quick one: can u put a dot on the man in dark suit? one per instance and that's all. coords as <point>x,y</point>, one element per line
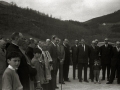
<point>23,70</point>
<point>115,63</point>
<point>53,52</point>
<point>2,60</point>
<point>94,55</point>
<point>105,52</point>
<point>74,57</point>
<point>67,60</point>
<point>83,56</point>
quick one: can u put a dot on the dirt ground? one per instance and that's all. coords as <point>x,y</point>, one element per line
<point>76,85</point>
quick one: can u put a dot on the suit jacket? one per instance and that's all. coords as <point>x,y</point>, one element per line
<point>2,62</point>
<point>67,54</point>
<point>61,52</point>
<point>115,57</point>
<point>53,52</point>
<point>74,54</point>
<point>2,66</point>
<point>106,53</point>
<point>83,55</point>
<point>93,54</point>
<point>29,53</point>
<point>23,70</point>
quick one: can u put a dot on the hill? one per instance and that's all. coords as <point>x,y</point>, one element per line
<point>36,24</point>
<point>110,18</point>
<point>109,24</point>
<point>39,25</point>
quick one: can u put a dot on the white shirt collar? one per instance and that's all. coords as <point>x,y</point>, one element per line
<point>53,43</point>
<point>39,47</point>
<point>64,44</point>
<point>10,67</point>
<point>14,43</point>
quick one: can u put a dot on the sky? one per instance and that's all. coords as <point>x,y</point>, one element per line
<point>78,10</point>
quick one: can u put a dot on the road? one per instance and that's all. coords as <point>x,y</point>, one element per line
<point>76,85</point>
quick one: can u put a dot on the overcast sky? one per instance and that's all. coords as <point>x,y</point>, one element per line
<point>79,10</point>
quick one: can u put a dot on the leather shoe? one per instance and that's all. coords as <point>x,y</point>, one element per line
<point>57,87</point>
<point>80,80</point>
<point>62,83</point>
<point>103,79</point>
<point>67,80</point>
<point>86,81</point>
<point>109,83</point>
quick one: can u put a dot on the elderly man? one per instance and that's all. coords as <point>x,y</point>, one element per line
<point>115,63</point>
<point>61,57</point>
<point>83,55</point>
<point>67,60</point>
<point>74,49</point>
<point>93,55</point>
<point>106,53</point>
<point>2,60</point>
<point>23,70</point>
<point>53,52</point>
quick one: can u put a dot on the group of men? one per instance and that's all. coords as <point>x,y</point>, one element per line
<point>59,52</point>
<point>83,56</point>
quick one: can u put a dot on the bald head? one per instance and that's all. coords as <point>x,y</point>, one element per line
<point>2,44</point>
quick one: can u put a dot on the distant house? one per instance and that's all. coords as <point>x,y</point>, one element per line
<point>104,24</point>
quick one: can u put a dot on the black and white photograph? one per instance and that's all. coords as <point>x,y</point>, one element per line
<point>59,44</point>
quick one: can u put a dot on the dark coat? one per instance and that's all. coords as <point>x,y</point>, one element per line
<point>23,70</point>
<point>54,54</point>
<point>115,57</point>
<point>106,53</point>
<point>67,54</point>
<point>94,54</point>
<point>83,55</point>
<point>74,54</point>
<point>29,53</point>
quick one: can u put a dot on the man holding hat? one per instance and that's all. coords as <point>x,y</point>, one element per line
<point>106,52</point>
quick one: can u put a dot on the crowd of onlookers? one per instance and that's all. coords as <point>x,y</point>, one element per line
<point>30,64</point>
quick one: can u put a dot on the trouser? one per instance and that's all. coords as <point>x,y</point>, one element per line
<point>80,67</point>
<point>0,82</point>
<point>96,74</point>
<point>74,69</point>
<point>104,66</point>
<point>24,79</point>
<point>56,70</point>
<point>45,87</point>
<point>65,71</point>
<point>51,84</point>
<point>91,72</point>
<point>113,71</point>
<point>61,72</point>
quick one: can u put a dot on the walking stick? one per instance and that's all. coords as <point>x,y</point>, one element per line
<point>61,69</point>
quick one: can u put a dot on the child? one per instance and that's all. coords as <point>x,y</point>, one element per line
<point>10,79</point>
<point>39,78</point>
<point>96,70</point>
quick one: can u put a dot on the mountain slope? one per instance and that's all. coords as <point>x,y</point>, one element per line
<point>110,18</point>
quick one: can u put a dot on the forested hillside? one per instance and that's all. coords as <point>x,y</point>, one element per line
<point>39,25</point>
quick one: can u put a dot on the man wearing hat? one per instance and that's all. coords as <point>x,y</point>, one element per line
<point>106,52</point>
<point>83,55</point>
